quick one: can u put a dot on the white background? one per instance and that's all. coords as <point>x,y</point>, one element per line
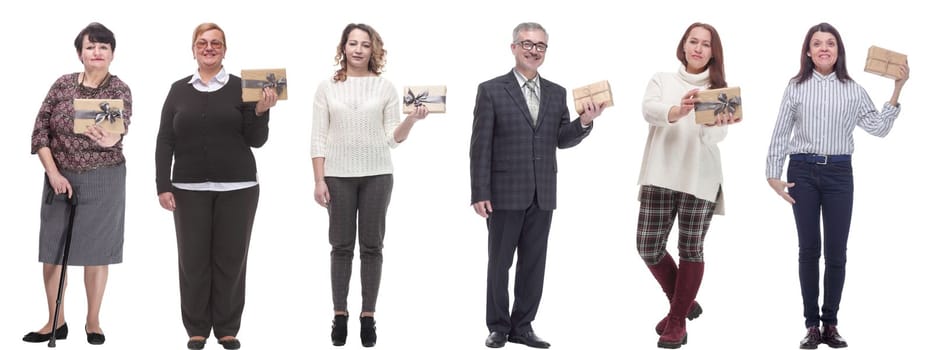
<point>598,293</point>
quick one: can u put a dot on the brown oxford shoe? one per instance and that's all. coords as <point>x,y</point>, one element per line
<point>831,337</point>
<point>812,339</point>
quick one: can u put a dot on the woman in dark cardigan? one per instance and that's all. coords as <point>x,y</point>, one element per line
<point>212,190</point>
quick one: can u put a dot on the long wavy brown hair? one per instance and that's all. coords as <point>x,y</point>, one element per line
<point>716,65</point>
<point>376,60</point>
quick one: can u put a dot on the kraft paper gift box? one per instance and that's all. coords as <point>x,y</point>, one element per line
<point>884,62</point>
<point>597,92</point>
<point>254,80</point>
<point>106,113</point>
<point>718,101</point>
<point>434,97</point>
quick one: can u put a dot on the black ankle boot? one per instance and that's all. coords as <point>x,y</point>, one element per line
<point>367,331</point>
<point>338,333</point>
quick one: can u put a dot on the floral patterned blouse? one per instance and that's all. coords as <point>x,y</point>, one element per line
<point>55,124</point>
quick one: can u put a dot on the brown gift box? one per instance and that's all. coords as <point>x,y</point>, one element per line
<point>106,113</point>
<point>884,62</point>
<point>434,97</point>
<point>254,80</point>
<point>597,92</point>
<point>718,101</point>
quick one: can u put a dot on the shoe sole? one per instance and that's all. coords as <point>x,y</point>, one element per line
<point>663,345</point>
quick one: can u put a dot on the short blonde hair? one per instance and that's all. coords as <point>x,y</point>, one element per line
<point>203,27</point>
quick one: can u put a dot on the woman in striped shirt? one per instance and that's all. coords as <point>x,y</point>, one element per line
<point>820,108</point>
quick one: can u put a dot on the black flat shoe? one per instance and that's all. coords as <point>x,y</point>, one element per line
<point>196,344</point>
<point>35,337</point>
<point>95,338</point>
<point>229,344</point>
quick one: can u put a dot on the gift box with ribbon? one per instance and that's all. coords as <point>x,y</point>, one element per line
<point>434,97</point>
<point>106,113</point>
<point>597,92</point>
<point>716,102</point>
<point>254,80</point>
<point>884,62</point>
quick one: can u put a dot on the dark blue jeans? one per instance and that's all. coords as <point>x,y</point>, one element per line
<point>825,190</point>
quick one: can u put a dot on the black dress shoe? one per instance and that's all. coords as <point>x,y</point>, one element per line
<point>529,339</point>
<point>831,337</point>
<point>367,331</point>
<point>229,344</point>
<point>496,339</point>
<point>812,339</point>
<point>196,344</point>
<point>338,330</point>
<point>95,338</point>
<point>35,337</point>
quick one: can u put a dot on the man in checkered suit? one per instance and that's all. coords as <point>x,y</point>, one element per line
<point>520,120</point>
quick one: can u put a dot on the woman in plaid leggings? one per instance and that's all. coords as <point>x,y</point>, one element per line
<point>681,175</point>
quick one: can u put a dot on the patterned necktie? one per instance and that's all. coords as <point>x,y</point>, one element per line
<point>533,100</point>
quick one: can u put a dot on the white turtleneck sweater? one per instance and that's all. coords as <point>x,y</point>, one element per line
<point>354,126</point>
<point>682,156</point>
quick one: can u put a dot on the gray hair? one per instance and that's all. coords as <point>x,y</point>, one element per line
<point>526,27</point>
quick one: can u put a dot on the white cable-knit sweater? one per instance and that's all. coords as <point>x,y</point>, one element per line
<point>354,126</point>
<point>682,156</point>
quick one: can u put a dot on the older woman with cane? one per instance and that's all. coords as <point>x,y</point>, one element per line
<point>91,163</point>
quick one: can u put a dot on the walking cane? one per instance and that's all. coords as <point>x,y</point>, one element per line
<point>73,203</point>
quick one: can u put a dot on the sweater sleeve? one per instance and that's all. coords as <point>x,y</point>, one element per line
<point>165,145</point>
<point>320,125</point>
<point>391,114</point>
<point>654,109</point>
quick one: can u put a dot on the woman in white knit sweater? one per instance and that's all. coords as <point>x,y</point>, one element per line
<point>681,175</point>
<point>356,123</point>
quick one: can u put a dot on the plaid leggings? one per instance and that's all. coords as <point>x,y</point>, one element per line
<point>659,206</point>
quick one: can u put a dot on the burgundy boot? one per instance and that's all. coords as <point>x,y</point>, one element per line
<point>688,279</point>
<point>665,274</point>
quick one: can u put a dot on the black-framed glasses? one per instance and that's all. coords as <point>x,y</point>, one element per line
<point>202,44</point>
<point>527,45</point>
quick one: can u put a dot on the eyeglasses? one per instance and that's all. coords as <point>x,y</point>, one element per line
<point>202,44</point>
<point>527,45</point>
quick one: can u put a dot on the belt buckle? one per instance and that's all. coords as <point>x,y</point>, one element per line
<point>824,159</point>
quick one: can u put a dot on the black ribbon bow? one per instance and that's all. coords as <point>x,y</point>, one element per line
<point>723,105</point>
<point>422,98</point>
<point>107,114</point>
<point>270,81</point>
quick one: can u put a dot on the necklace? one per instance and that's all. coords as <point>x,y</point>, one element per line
<point>101,82</point>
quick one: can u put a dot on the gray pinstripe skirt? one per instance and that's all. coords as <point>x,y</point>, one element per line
<point>97,237</point>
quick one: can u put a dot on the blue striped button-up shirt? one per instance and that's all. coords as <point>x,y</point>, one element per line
<point>819,116</point>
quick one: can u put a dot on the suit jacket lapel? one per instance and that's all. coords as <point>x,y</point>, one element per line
<point>511,86</point>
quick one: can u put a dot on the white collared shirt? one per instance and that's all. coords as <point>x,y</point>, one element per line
<point>215,83</point>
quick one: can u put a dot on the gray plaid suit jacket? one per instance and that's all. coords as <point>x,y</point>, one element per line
<point>511,160</point>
